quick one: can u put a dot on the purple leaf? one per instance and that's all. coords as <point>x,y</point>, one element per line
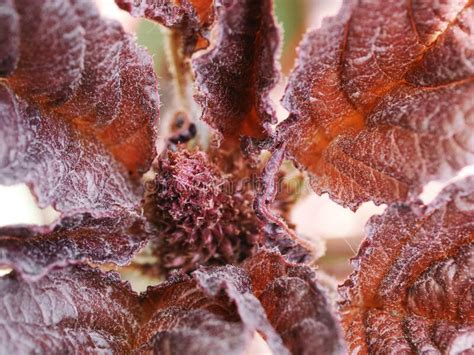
<point>74,309</point>
<point>33,251</point>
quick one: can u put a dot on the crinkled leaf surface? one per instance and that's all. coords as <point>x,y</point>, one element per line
<point>82,100</point>
<point>296,306</point>
<point>217,309</point>
<point>32,251</point>
<point>235,75</point>
<point>62,167</point>
<point>412,286</point>
<point>220,294</point>
<point>78,308</point>
<point>381,101</point>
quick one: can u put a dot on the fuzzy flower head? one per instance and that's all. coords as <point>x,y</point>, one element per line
<point>201,215</point>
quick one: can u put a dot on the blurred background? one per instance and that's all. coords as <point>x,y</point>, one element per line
<point>315,217</point>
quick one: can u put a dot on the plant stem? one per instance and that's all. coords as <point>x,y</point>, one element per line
<point>179,68</point>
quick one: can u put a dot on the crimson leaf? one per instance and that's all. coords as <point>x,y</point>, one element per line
<point>78,308</point>
<point>277,233</point>
<point>9,37</point>
<point>74,309</point>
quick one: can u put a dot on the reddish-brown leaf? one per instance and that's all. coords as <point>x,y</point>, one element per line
<point>180,314</point>
<point>412,287</point>
<point>82,100</point>
<point>381,99</point>
<point>235,75</point>
<point>52,48</point>
<point>76,307</point>
<point>32,251</point>
<point>296,306</point>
